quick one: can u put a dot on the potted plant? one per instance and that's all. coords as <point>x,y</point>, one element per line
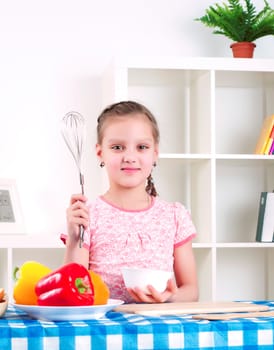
<point>239,21</point>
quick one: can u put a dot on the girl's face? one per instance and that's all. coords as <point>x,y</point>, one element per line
<point>128,150</point>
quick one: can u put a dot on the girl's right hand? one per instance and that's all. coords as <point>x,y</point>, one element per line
<point>77,214</point>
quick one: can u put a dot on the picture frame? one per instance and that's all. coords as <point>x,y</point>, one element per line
<point>11,217</point>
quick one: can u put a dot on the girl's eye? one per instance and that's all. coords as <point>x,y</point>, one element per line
<point>142,147</point>
<point>117,147</point>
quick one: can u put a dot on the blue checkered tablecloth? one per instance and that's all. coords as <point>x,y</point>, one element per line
<point>119,331</point>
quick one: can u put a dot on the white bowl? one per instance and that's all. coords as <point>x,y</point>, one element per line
<point>141,278</point>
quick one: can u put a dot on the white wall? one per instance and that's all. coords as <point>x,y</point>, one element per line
<point>52,55</point>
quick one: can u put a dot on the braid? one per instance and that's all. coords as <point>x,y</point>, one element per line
<point>150,188</point>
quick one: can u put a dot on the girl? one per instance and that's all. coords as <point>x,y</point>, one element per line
<point>129,225</point>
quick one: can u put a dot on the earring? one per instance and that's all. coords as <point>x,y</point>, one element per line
<point>154,164</point>
<point>102,164</point>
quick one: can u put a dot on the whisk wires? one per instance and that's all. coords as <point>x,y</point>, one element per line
<point>73,132</point>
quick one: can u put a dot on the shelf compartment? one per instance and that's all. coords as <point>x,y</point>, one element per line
<point>205,272</point>
<point>237,209</point>
<point>41,255</point>
<point>243,100</point>
<point>242,274</point>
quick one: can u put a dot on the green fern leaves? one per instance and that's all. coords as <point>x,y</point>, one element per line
<point>239,22</point>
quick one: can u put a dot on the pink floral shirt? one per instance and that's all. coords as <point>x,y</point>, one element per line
<point>120,238</point>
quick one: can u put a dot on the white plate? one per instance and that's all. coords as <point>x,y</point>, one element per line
<point>69,313</point>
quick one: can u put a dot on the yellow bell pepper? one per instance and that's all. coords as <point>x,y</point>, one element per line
<point>29,274</point>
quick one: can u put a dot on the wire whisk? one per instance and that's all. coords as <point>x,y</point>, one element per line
<point>74,132</point>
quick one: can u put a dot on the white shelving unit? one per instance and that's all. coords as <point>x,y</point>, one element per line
<point>210,112</point>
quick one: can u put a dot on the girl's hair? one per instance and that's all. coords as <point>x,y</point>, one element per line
<point>129,108</point>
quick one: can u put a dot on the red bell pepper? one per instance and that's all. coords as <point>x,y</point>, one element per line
<point>70,285</point>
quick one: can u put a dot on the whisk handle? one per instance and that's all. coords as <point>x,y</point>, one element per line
<point>82,182</point>
<point>81,236</point>
<point>81,226</point>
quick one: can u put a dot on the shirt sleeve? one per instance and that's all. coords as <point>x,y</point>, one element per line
<point>185,229</point>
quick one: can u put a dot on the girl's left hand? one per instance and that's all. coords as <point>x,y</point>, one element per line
<point>155,297</point>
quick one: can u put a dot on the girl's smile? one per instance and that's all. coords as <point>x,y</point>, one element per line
<point>130,170</point>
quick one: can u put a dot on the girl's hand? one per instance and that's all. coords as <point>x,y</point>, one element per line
<point>155,296</point>
<point>77,214</point>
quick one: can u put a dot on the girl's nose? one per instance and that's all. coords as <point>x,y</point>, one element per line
<point>129,157</point>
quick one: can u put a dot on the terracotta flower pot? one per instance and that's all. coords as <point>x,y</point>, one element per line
<point>243,49</point>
